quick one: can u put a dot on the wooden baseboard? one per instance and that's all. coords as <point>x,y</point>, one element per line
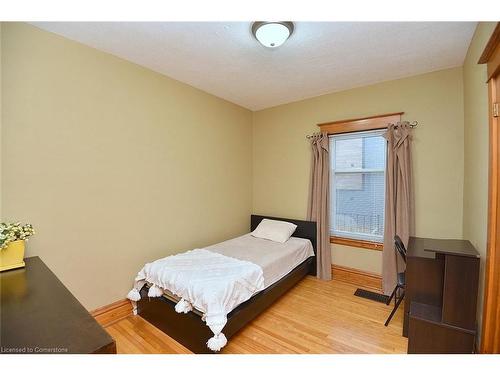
<point>112,313</point>
<point>357,277</point>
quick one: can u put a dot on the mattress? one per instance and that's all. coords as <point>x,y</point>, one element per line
<point>276,259</point>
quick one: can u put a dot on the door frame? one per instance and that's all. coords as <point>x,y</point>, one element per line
<point>490,337</point>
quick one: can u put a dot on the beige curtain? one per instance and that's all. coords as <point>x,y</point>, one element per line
<point>398,201</point>
<point>319,197</point>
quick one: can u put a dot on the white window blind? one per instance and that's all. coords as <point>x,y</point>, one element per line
<point>357,186</point>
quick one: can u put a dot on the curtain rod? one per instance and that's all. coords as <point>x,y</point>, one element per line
<point>412,125</point>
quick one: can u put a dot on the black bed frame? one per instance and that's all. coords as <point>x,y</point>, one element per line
<point>189,330</point>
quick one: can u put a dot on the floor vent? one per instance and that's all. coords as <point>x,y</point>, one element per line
<point>371,295</point>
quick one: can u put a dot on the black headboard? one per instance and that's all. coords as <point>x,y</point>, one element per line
<point>305,229</point>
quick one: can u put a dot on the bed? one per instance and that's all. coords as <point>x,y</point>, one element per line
<point>191,331</point>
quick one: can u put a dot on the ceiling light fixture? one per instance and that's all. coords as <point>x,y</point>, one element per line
<point>272,34</point>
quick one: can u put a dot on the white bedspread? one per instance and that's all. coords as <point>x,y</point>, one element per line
<point>213,283</point>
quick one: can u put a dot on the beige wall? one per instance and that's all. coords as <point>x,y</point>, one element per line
<point>115,165</point>
<point>358,258</point>
<point>476,147</point>
<point>281,155</point>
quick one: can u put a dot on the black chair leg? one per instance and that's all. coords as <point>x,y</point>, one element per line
<point>398,302</point>
<point>392,295</point>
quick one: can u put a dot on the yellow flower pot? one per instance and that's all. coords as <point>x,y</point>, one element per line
<point>12,256</point>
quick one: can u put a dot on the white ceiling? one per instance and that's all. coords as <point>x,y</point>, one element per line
<point>223,58</point>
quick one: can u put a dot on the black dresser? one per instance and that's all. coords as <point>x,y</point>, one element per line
<point>39,315</point>
<point>441,296</point>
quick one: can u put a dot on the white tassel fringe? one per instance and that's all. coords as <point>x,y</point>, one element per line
<point>155,291</point>
<point>183,306</point>
<point>217,342</point>
<point>134,295</point>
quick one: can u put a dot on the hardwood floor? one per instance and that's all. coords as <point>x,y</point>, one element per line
<point>314,317</point>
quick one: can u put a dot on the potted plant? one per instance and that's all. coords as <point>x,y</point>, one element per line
<point>12,237</point>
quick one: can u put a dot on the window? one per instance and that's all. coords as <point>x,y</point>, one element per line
<point>357,186</point>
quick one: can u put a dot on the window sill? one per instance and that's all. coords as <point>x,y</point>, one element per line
<point>357,243</point>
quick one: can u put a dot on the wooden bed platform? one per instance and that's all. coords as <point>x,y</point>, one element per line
<point>189,330</point>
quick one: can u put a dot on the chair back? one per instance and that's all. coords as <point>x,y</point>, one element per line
<point>400,247</point>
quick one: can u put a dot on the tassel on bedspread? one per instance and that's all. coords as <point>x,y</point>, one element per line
<point>212,282</point>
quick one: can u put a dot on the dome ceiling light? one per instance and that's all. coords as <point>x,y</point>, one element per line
<point>272,34</point>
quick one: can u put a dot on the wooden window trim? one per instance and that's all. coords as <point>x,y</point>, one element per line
<point>369,245</point>
<point>360,124</point>
<point>352,126</point>
<point>491,54</point>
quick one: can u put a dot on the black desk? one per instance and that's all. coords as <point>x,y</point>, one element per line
<point>441,296</point>
<point>39,315</point>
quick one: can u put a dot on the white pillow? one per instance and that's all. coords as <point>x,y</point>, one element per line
<point>274,230</point>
